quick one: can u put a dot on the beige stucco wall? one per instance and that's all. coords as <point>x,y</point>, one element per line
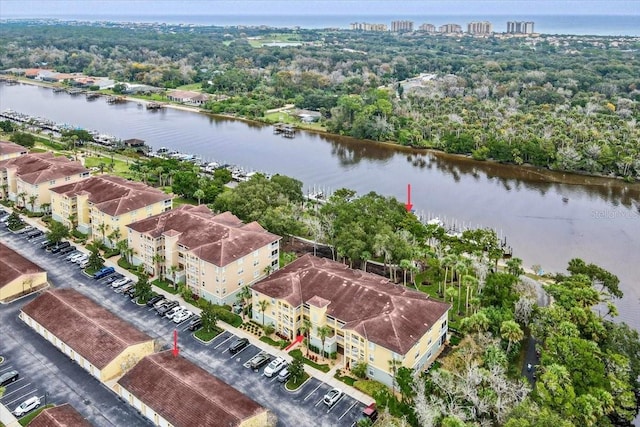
<point>261,420</point>
<point>41,190</point>
<point>129,358</point>
<point>8,156</point>
<point>20,284</point>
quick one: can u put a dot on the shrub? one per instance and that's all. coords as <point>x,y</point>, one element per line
<point>268,329</point>
<point>370,387</point>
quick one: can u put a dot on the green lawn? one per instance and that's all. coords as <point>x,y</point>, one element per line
<point>207,336</point>
<point>284,117</point>
<point>27,418</point>
<point>297,352</point>
<point>179,201</point>
<point>167,286</point>
<point>369,387</point>
<point>278,344</point>
<point>294,385</point>
<point>120,167</point>
<point>192,87</point>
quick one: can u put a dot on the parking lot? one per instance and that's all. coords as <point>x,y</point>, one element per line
<point>304,407</point>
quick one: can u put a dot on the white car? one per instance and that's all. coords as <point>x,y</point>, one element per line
<point>82,258</point>
<point>84,263</point>
<point>73,255</point>
<point>27,406</point>
<point>120,282</point>
<point>274,367</point>
<point>176,310</point>
<point>182,316</point>
<point>332,396</point>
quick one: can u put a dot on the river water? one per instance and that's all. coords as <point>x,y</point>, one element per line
<point>548,218</point>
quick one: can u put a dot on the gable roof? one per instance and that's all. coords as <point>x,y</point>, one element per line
<point>218,239</point>
<point>114,195</point>
<point>59,416</point>
<point>10,148</point>
<point>185,394</point>
<point>389,315</point>
<point>88,328</point>
<point>14,265</point>
<point>35,168</point>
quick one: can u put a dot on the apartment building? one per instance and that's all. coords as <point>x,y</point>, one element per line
<point>480,28</point>
<point>27,178</point>
<point>99,341</point>
<point>450,29</point>
<point>520,27</point>
<point>171,391</point>
<point>100,205</point>
<point>401,26</point>
<point>370,319</point>
<point>9,150</point>
<point>427,28</point>
<point>214,255</point>
<point>366,26</point>
<point>63,415</point>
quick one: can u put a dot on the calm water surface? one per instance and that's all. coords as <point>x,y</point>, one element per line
<point>548,218</point>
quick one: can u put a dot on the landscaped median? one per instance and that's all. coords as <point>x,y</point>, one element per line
<point>292,385</point>
<point>207,337</point>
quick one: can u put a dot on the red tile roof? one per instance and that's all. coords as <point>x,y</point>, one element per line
<point>35,168</point>
<point>218,239</point>
<point>114,195</point>
<point>10,148</point>
<point>389,315</point>
<point>14,265</point>
<point>186,395</point>
<point>59,416</point>
<point>88,328</point>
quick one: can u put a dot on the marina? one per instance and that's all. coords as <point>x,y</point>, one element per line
<point>599,223</point>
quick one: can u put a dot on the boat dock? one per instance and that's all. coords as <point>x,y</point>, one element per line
<point>288,131</point>
<point>155,106</point>
<point>116,99</point>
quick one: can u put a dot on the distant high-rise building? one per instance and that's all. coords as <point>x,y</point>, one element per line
<point>450,29</point>
<point>366,26</point>
<point>520,27</point>
<point>480,28</point>
<point>427,28</point>
<point>400,26</point>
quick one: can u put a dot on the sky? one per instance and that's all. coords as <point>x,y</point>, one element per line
<point>70,8</point>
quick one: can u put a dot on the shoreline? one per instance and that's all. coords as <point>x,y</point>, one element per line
<point>546,175</point>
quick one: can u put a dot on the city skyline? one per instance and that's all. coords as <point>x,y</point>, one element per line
<point>71,8</point>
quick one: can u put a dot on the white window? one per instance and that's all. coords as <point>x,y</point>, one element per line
<point>240,271</point>
<point>256,273</point>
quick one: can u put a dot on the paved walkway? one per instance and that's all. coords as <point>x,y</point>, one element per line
<point>7,418</point>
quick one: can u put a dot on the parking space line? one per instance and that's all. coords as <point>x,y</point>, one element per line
<point>18,389</point>
<point>23,397</point>
<point>347,411</point>
<point>336,404</point>
<point>314,390</point>
<point>238,352</point>
<point>216,347</point>
<point>319,402</point>
<point>8,367</point>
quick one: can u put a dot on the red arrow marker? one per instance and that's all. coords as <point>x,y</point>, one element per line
<point>175,350</point>
<point>408,205</point>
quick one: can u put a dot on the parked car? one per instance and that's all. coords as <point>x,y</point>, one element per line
<point>284,375</point>
<point>47,244</point>
<point>175,310</point>
<point>274,367</point>
<point>82,258</point>
<point>125,288</point>
<point>67,250</point>
<point>24,230</point>
<point>195,324</point>
<point>120,282</point>
<point>182,316</point>
<point>27,406</point>
<point>238,345</point>
<point>332,396</point>
<point>259,360</point>
<point>369,413</point>
<point>166,307</point>
<point>161,303</point>
<point>8,377</point>
<point>60,246</point>
<point>33,234</point>
<point>151,302</point>
<point>84,263</point>
<point>113,278</point>
<point>104,272</point>
<point>72,256</point>
<point>131,292</point>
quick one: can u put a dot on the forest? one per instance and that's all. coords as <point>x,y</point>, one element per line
<point>561,102</point>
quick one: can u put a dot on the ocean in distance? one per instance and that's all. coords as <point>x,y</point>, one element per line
<point>601,25</point>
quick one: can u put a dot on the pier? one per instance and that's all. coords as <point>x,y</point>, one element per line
<point>155,106</point>
<point>116,99</point>
<point>285,130</point>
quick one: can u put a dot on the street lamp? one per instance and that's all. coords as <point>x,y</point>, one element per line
<point>46,394</point>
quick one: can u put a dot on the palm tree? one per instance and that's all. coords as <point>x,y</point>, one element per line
<point>243,296</point>
<point>462,266</point>
<point>5,190</point>
<point>393,365</point>
<point>114,236</point>
<point>305,328</point>
<point>173,270</point>
<point>469,282</point>
<point>323,333</point>
<point>73,217</point>
<point>23,197</point>
<point>32,201</point>
<point>263,304</point>
<point>157,259</point>
<point>447,261</point>
<point>510,331</point>
<point>103,230</point>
